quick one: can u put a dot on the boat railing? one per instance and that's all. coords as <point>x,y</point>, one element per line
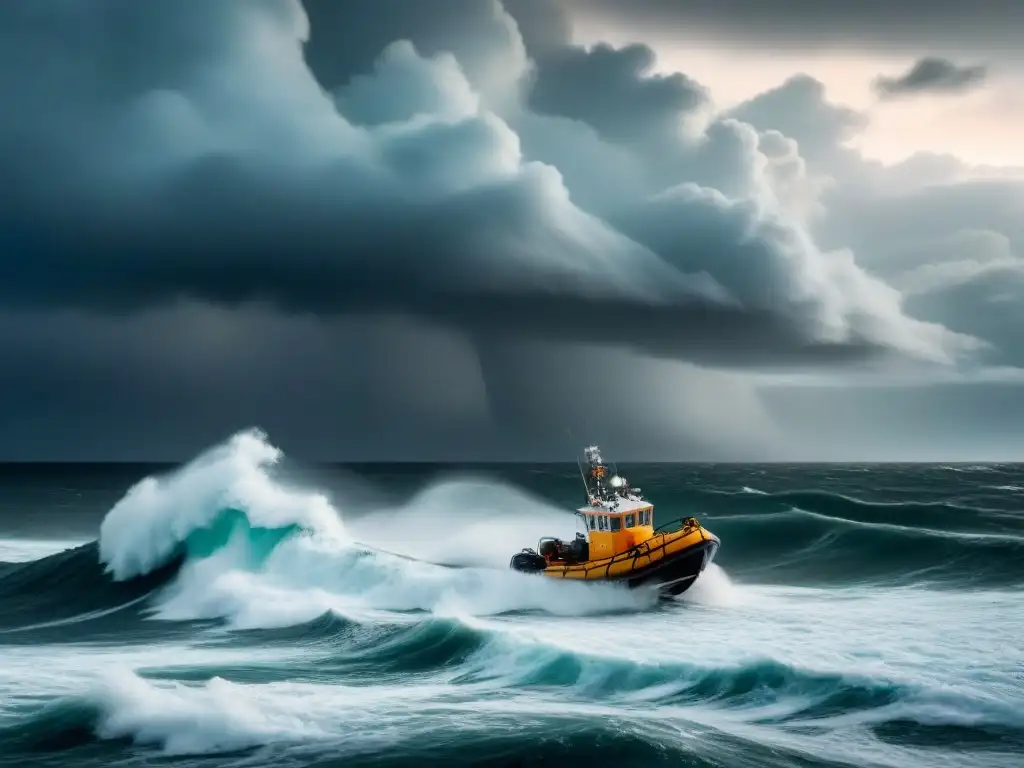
<point>685,522</point>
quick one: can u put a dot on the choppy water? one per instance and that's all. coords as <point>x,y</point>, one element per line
<point>233,612</point>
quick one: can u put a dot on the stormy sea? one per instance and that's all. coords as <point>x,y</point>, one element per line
<point>243,610</point>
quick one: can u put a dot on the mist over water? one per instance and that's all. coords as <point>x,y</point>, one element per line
<point>240,610</point>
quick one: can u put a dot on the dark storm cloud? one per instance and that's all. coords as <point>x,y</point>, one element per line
<point>543,24</point>
<point>217,169</point>
<point>177,379</point>
<point>614,90</point>
<point>188,375</point>
<point>618,132</point>
<point>931,76</point>
<point>346,38</point>
<point>909,25</point>
<point>430,256</point>
<point>488,37</point>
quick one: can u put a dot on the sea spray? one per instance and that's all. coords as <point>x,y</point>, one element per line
<point>260,554</point>
<point>157,515</point>
<point>874,630</point>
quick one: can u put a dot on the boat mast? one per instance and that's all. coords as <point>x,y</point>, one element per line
<point>597,472</point>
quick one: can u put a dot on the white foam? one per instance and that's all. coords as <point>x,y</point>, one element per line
<point>713,588</point>
<point>954,653</point>
<point>193,720</point>
<point>34,673</point>
<point>306,577</point>
<point>219,715</point>
<point>464,522</point>
<point>145,528</point>
<point>932,643</point>
<point>478,523</point>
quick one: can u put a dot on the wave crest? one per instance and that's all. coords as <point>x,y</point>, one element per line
<point>260,554</point>
<point>157,516</point>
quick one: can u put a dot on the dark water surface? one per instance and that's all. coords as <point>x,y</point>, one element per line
<point>233,612</point>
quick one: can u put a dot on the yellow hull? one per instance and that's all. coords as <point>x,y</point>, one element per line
<point>671,560</point>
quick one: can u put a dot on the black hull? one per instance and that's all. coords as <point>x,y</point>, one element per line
<point>677,574</point>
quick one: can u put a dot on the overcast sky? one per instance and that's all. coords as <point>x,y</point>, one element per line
<point>472,229</point>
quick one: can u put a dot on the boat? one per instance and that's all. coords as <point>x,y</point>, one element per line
<point>621,544</point>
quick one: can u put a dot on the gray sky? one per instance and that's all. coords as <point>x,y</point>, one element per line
<point>386,231</point>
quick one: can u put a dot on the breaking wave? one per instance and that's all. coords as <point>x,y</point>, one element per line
<point>227,537</point>
<point>260,553</point>
<point>250,612</point>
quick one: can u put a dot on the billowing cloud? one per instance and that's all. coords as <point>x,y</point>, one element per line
<point>799,109</point>
<point>229,175</point>
<point>633,103</point>
<point>346,39</point>
<point>441,220</point>
<point>946,235</point>
<point>931,75</point>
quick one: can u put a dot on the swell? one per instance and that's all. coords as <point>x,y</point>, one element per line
<point>71,730</point>
<point>221,530</point>
<point>67,585</point>
<point>793,546</point>
<point>340,650</point>
<point>42,599</point>
<point>815,537</point>
<point>448,650</point>
<point>942,514</point>
<point>802,547</point>
<point>553,688</point>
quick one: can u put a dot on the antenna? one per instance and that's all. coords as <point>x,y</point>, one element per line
<point>579,466</point>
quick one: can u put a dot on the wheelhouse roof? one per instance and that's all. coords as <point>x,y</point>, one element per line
<point>624,507</point>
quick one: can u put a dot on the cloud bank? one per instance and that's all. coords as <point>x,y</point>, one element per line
<point>376,180</point>
<point>221,171</point>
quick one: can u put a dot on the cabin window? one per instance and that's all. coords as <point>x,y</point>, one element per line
<point>616,524</point>
<point>592,522</point>
<point>647,517</point>
<point>600,523</point>
<point>631,520</point>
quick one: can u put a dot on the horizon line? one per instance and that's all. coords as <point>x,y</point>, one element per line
<point>521,462</point>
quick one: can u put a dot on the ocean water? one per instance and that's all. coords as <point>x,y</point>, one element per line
<point>242,610</point>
